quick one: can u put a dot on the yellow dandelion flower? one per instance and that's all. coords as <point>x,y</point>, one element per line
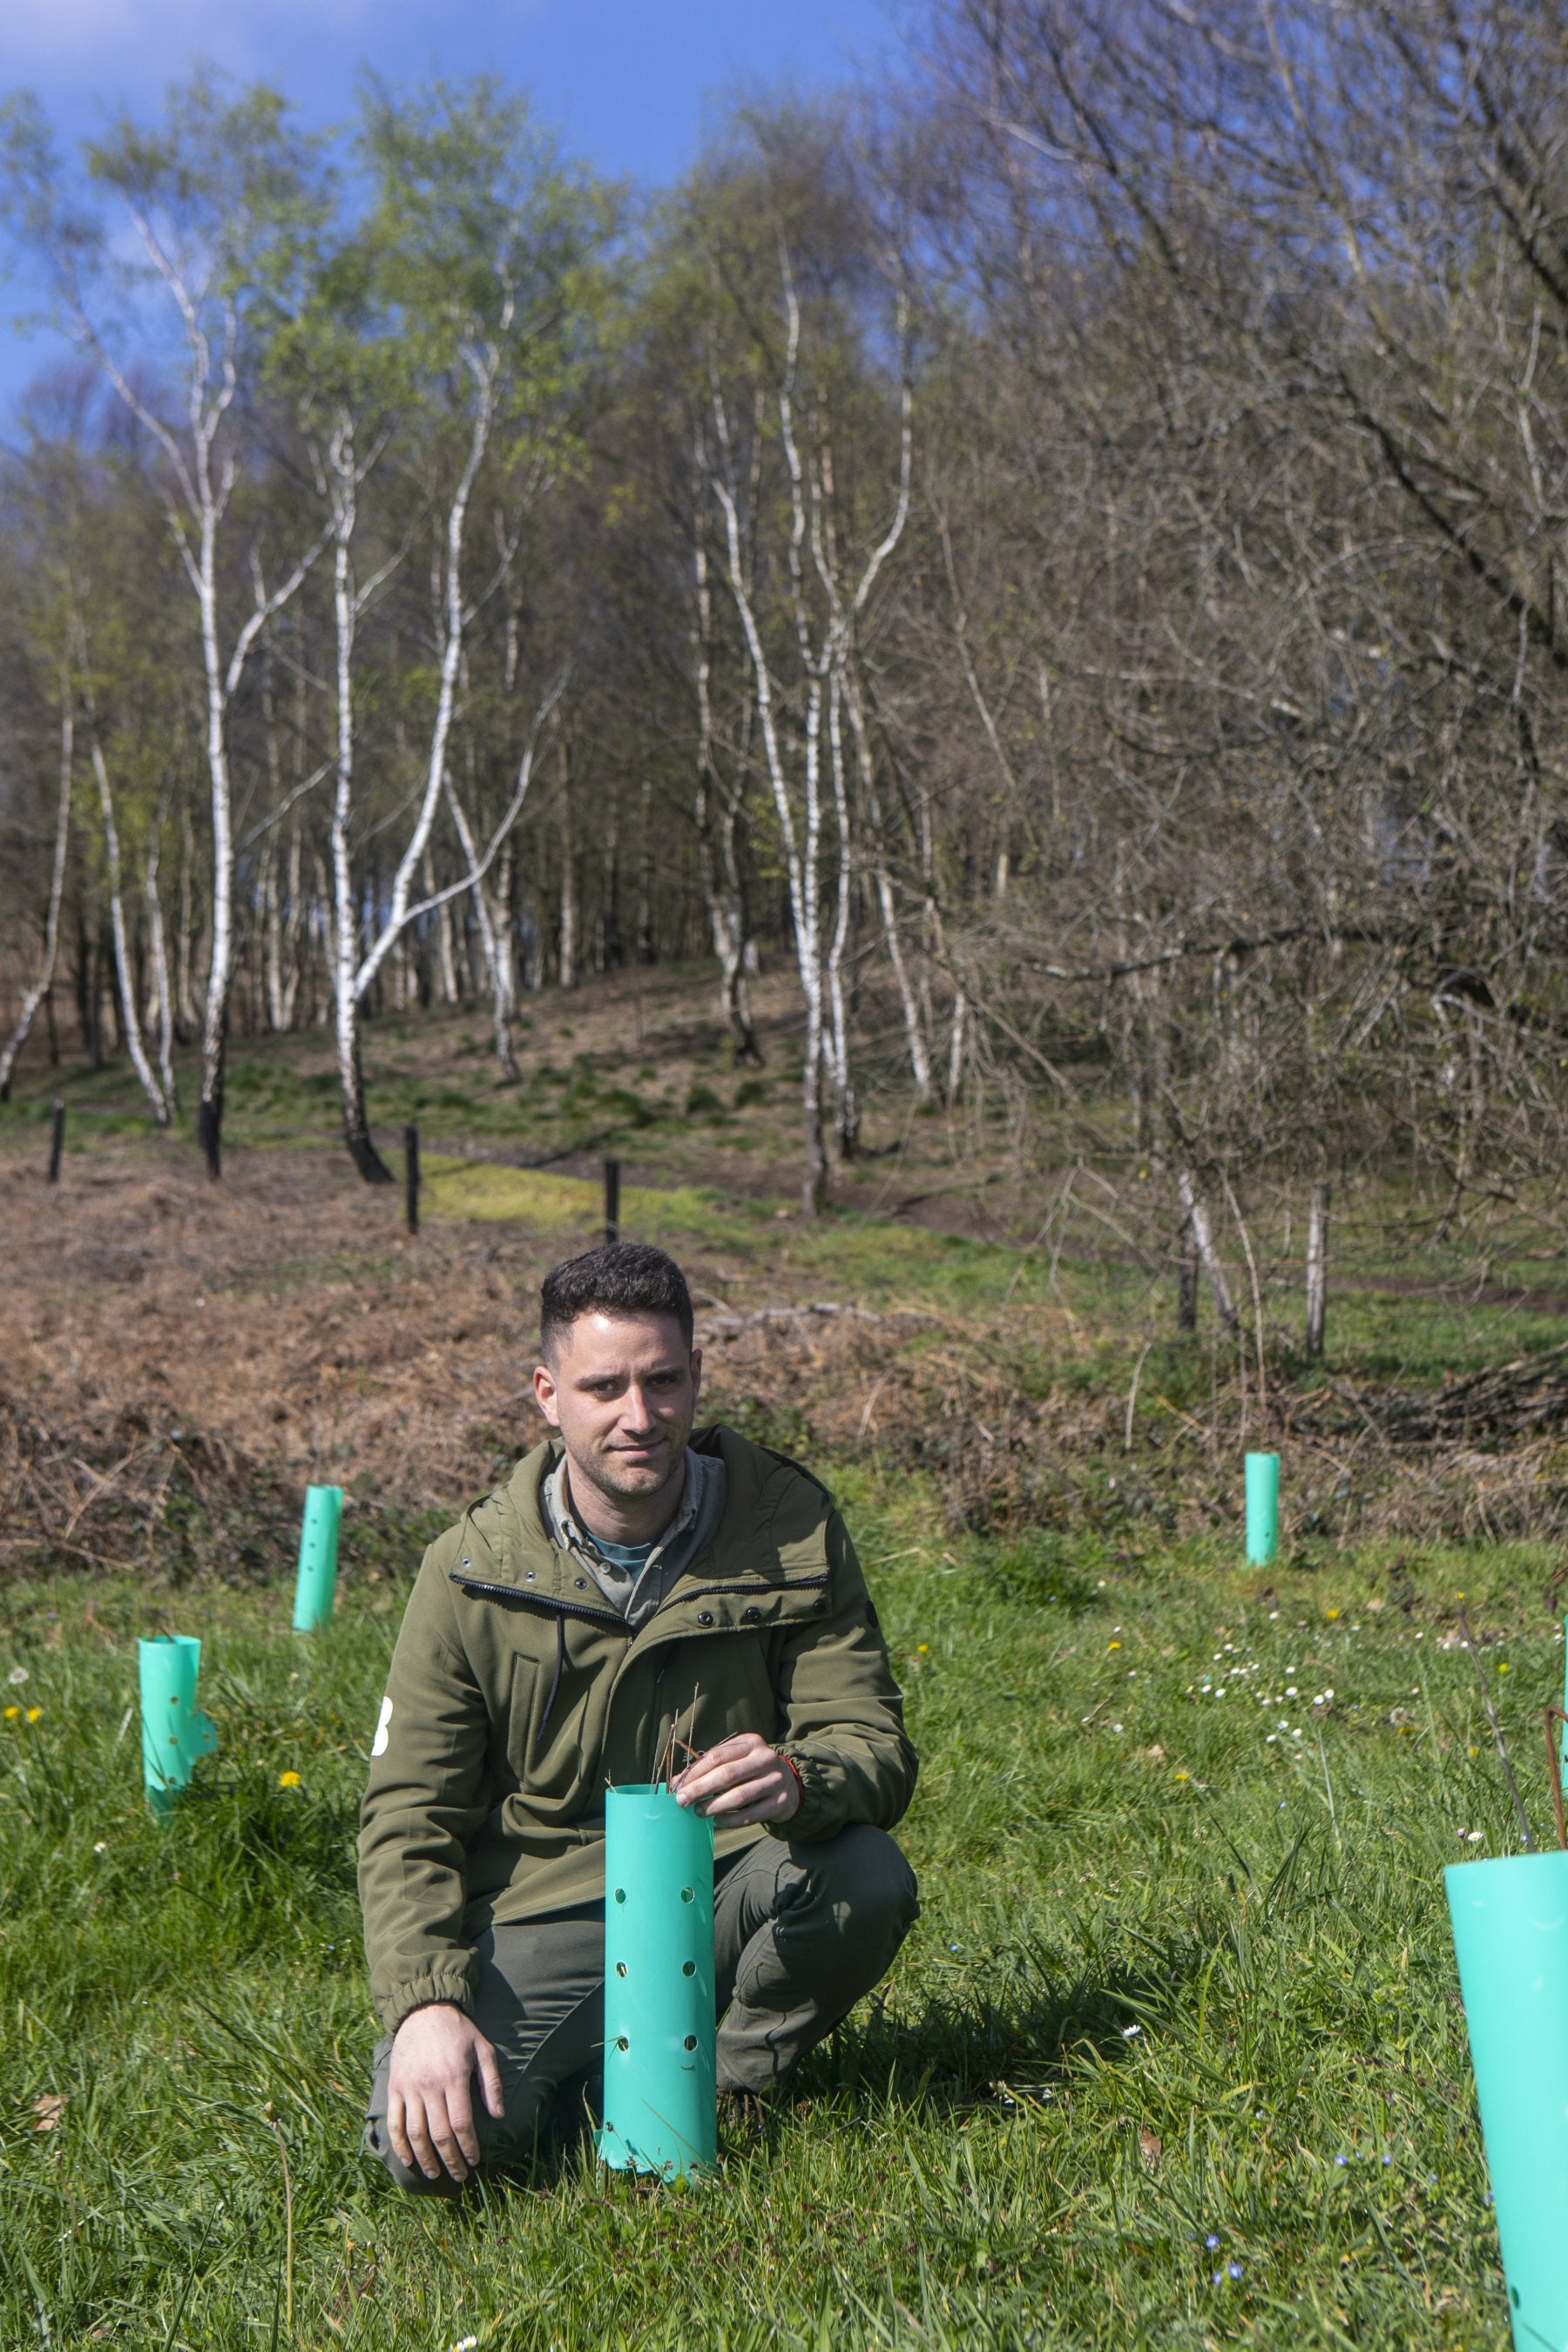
<point>287,1780</point>
<point>12,1713</point>
<point>1184,1776</point>
<point>1114,1646</point>
<point>1332,1613</point>
<point>34,1713</point>
<point>922,1649</point>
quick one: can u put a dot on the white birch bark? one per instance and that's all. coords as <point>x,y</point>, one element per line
<point>915,1037</point>
<point>202,480</point>
<point>822,656</point>
<point>841,1077</point>
<point>125,977</point>
<point>184,953</point>
<point>717,814</point>
<point>501,968</point>
<point>566,971</point>
<point>1197,1218</point>
<point>162,1005</point>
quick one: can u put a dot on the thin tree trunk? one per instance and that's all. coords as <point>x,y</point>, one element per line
<point>42,989</point>
<point>445,961</point>
<point>499,966</point>
<point>568,949</point>
<point>1187,1280</point>
<point>162,1002</point>
<point>1197,1217</point>
<point>846,1109</point>
<point>348,987</point>
<point>718,858</point>
<point>957,1044</point>
<point>1317,1267</point>
<point>645,947</point>
<point>914,1028</point>
<point>186,1015</point>
<point>125,977</point>
<point>800,860</point>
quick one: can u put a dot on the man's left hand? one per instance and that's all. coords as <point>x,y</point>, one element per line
<point>743,1780</point>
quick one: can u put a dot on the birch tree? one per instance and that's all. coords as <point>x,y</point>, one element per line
<point>805,647</point>
<point>206,216</point>
<point>445,339</point>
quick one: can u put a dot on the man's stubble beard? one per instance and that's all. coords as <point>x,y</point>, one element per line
<point>601,1467</point>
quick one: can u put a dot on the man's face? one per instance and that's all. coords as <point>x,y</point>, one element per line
<point>622,1390</point>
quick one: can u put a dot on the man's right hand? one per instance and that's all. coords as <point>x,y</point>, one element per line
<point>430,2098</point>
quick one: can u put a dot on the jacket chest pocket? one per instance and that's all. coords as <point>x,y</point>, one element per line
<point>546,1724</point>
<point>522,1704</point>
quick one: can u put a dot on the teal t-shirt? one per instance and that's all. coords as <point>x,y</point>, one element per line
<point>632,1558</point>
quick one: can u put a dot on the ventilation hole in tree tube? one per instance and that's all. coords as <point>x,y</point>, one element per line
<point>689,2043</point>
<point>620,1894</point>
<point>621,2043</point>
<point>688,1894</point>
<point>689,1967</point>
<point>620,1967</point>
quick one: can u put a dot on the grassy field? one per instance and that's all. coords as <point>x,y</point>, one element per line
<point>1175,2057</point>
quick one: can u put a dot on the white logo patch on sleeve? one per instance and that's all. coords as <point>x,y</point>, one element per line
<point>378,1746</point>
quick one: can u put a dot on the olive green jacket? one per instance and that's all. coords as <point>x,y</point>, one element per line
<point>516,1694</point>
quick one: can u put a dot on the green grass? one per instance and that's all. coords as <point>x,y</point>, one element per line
<point>1144,1921</point>
<point>1175,1964</point>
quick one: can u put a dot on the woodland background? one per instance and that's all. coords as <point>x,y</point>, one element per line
<point>1059,558</point>
<point>992,662</point>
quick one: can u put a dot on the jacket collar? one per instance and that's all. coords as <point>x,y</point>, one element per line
<point>770,1539</point>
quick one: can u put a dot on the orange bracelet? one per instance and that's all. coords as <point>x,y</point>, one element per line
<point>794,1768</point>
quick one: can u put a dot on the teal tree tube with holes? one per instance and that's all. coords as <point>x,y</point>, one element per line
<point>175,1731</point>
<point>661,2102</point>
<point>1510,1937</point>
<point>1262,1509</point>
<point>318,1579</point>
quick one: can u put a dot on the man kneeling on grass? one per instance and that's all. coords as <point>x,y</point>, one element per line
<point>630,1578</point>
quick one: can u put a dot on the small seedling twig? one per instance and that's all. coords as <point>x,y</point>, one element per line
<point>1548,1716</point>
<point>1524,1830</point>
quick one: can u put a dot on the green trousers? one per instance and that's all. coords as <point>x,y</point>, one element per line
<point>799,1933</point>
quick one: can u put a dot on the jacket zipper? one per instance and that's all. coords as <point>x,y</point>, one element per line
<point>608,1617</point>
<point>540,1601</point>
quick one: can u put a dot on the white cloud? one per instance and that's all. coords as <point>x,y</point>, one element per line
<point>116,47</point>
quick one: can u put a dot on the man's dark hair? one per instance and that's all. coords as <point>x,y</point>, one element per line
<point>622,1278</point>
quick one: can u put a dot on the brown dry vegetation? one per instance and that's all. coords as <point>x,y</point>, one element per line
<point>177,1361</point>
<point>180,1360</point>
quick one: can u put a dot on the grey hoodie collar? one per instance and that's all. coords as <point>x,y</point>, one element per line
<point>635,1595</point>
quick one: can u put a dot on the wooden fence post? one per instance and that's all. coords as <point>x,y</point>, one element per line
<point>411,1175</point>
<point>56,1138</point>
<point>1318,1266</point>
<point>612,1201</point>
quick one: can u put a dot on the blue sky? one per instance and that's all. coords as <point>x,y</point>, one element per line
<point>628,83</point>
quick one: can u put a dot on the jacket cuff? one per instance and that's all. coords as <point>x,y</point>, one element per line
<point>817,1813</point>
<point>450,1979</point>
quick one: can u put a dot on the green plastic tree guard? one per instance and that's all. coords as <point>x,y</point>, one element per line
<point>318,1579</point>
<point>1262,1509</point>
<point>1510,1937</point>
<point>175,1731</point>
<point>660,2104</point>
